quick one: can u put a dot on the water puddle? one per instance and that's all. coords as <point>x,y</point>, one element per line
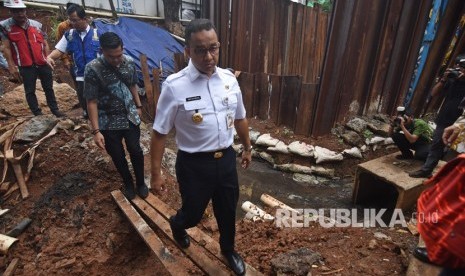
<point>261,178</point>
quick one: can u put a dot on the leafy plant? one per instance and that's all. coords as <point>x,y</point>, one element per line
<point>326,5</point>
<point>368,134</point>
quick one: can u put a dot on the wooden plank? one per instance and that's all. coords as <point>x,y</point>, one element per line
<point>305,109</point>
<point>172,263</point>
<point>10,270</point>
<point>155,90</point>
<point>195,252</point>
<point>18,173</point>
<point>196,234</point>
<point>246,83</point>
<point>147,86</point>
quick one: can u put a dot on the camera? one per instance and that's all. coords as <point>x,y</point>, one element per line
<point>400,114</point>
<point>453,74</point>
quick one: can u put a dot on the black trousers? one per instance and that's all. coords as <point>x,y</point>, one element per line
<point>201,177</point>
<point>30,75</point>
<point>80,95</point>
<point>436,150</point>
<point>420,147</point>
<point>114,147</point>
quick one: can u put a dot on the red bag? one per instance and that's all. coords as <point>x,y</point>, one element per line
<point>441,215</point>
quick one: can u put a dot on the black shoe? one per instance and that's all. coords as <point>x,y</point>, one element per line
<point>235,262</point>
<point>404,157</point>
<point>420,174</point>
<point>142,191</point>
<point>179,235</point>
<point>421,254</point>
<point>58,113</point>
<point>38,113</point>
<point>129,191</point>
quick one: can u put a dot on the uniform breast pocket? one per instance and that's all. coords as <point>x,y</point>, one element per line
<point>195,111</point>
<point>230,101</point>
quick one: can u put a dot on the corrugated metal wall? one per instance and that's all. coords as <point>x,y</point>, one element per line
<point>272,36</point>
<point>370,55</point>
<point>372,49</point>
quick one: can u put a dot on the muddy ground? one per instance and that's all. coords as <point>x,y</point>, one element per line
<point>77,229</point>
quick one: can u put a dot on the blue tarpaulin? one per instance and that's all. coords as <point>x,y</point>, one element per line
<point>142,38</point>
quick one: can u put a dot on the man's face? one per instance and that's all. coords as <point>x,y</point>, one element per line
<point>203,49</point>
<point>80,24</point>
<point>113,56</point>
<point>19,15</point>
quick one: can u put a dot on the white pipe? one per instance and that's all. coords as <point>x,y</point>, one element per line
<point>252,208</point>
<point>273,202</point>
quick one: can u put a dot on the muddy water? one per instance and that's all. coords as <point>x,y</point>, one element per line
<point>261,178</point>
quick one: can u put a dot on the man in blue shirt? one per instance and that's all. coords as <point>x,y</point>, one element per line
<point>82,43</point>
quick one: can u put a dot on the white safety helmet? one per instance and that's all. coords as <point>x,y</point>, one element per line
<point>14,4</point>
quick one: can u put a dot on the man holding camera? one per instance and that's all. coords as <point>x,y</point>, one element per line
<point>452,86</point>
<point>410,134</point>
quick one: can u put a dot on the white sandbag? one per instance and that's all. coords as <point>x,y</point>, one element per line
<point>388,141</point>
<point>326,155</point>
<point>375,140</point>
<point>354,152</point>
<point>295,168</point>
<point>280,147</point>
<point>266,140</point>
<point>301,148</point>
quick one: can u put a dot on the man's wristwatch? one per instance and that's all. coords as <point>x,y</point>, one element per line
<point>248,149</point>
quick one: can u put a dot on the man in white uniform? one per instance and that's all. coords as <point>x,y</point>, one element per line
<point>204,104</point>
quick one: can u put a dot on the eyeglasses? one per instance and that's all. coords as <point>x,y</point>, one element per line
<point>213,50</point>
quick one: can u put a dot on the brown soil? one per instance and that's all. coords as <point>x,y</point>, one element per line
<point>77,229</point>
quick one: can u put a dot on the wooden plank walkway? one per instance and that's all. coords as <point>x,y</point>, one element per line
<point>204,251</point>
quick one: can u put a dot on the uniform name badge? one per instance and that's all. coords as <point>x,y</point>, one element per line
<point>197,117</point>
<point>230,120</point>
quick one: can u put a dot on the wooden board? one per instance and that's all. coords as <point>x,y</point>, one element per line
<point>196,234</point>
<point>195,252</point>
<point>171,262</point>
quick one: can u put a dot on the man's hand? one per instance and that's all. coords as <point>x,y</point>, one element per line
<point>13,69</point>
<point>246,159</point>
<point>450,134</point>
<point>99,140</point>
<point>158,184</point>
<point>51,62</point>
<point>139,112</point>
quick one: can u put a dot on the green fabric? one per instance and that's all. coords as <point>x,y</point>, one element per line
<point>422,130</point>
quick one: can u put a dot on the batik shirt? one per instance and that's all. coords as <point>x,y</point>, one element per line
<point>109,85</point>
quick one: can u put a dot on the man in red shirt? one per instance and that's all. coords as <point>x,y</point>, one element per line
<point>26,49</point>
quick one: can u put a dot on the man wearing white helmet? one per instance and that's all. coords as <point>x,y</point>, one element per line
<point>26,49</point>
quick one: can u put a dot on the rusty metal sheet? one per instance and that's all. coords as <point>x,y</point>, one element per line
<point>290,91</point>
<point>275,82</point>
<point>262,96</point>
<point>246,83</point>
<point>305,109</point>
<point>452,15</point>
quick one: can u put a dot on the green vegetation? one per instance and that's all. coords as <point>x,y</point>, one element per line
<point>326,5</point>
